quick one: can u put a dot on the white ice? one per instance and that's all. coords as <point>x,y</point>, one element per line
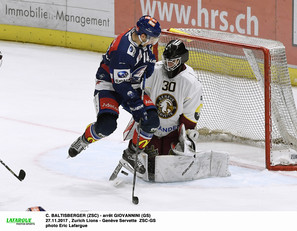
<point>46,101</point>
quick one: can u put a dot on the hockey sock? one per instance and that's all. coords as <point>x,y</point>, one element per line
<point>90,134</point>
<point>144,138</point>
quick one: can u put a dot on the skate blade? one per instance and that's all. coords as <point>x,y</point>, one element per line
<point>116,171</point>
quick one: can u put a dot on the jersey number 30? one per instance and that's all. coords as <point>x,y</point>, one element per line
<point>168,86</point>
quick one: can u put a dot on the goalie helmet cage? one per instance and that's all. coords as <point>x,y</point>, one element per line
<point>247,91</point>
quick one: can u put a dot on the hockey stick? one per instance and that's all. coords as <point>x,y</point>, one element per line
<point>135,199</point>
<point>21,175</point>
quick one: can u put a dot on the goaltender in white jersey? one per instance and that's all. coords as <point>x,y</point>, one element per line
<point>178,99</point>
<point>173,152</point>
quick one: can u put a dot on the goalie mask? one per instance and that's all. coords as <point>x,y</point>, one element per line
<point>174,55</point>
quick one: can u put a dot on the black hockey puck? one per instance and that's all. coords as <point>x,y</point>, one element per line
<point>125,173</point>
<point>135,200</point>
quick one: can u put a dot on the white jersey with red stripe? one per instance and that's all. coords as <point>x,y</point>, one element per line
<point>181,95</point>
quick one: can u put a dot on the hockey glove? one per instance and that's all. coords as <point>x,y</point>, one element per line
<point>187,144</point>
<point>137,109</point>
<point>150,69</point>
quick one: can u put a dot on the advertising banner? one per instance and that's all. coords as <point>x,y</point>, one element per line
<point>276,20</point>
<point>264,19</point>
<point>295,22</point>
<point>242,18</point>
<point>95,17</point>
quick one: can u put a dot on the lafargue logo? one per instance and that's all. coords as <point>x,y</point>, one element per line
<point>20,221</point>
<point>167,106</point>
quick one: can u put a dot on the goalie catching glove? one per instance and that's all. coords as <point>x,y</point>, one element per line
<point>188,142</point>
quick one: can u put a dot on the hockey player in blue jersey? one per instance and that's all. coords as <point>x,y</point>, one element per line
<point>118,80</point>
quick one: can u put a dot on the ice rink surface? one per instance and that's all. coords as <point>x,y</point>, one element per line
<point>46,101</point>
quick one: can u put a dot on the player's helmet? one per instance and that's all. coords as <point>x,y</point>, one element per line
<point>149,26</point>
<point>174,55</point>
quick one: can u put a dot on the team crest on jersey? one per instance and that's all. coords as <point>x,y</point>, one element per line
<point>167,105</point>
<point>131,50</point>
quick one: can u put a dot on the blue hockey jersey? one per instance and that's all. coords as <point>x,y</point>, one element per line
<point>123,65</point>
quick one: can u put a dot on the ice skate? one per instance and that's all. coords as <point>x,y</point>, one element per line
<point>128,160</point>
<point>77,146</point>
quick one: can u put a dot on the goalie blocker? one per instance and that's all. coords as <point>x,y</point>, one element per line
<point>186,162</point>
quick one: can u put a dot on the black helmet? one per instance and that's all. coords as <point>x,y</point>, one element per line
<point>174,55</point>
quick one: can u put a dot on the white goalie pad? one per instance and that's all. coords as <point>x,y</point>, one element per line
<point>185,168</point>
<point>177,168</point>
<point>186,164</point>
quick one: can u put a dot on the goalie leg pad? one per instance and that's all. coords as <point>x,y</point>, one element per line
<point>219,164</point>
<point>186,168</point>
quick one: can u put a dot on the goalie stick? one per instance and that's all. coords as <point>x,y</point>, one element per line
<point>21,175</point>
